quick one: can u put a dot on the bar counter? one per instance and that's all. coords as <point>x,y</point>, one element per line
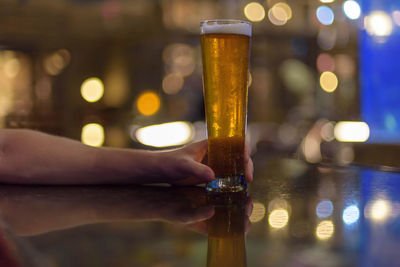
<point>294,214</point>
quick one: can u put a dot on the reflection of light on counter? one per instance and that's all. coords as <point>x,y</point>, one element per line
<point>254,12</point>
<point>166,134</point>
<point>312,149</point>
<point>92,89</point>
<point>258,212</point>
<point>280,14</point>
<point>351,214</point>
<point>325,15</point>
<point>278,218</point>
<point>379,210</point>
<point>378,23</point>
<point>327,131</point>
<point>351,131</point>
<point>92,134</point>
<point>172,83</point>
<point>351,9</point>
<point>328,81</point>
<point>325,230</point>
<point>148,103</point>
<point>324,209</point>
<point>287,134</point>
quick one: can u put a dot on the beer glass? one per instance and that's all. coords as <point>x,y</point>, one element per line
<point>225,46</point>
<point>226,230</point>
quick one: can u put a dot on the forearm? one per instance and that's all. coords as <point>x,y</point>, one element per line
<point>34,157</point>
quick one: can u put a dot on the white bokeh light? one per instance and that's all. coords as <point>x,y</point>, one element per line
<point>378,23</point>
<point>166,134</point>
<point>325,15</point>
<point>352,9</point>
<point>351,214</point>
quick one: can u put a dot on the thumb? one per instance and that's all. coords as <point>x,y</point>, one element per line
<point>201,171</point>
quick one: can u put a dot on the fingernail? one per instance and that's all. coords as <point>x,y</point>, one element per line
<point>210,175</point>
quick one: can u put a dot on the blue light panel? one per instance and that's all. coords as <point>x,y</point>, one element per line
<point>380,76</point>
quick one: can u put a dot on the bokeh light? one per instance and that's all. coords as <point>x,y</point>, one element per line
<point>327,131</point>
<point>166,134</point>
<point>351,214</point>
<point>390,122</point>
<point>379,210</point>
<point>296,76</point>
<point>12,67</point>
<point>172,83</point>
<point>351,9</point>
<point>179,58</point>
<point>93,134</point>
<point>344,65</point>
<point>254,12</point>
<point>312,149</point>
<point>327,38</point>
<point>325,62</point>
<point>351,131</point>
<point>379,24</point>
<point>325,15</point>
<point>327,1</point>
<point>55,62</point>
<point>278,218</point>
<point>148,103</point>
<point>279,14</point>
<point>92,89</point>
<point>396,17</point>
<point>324,209</point>
<point>328,81</point>
<point>325,230</point>
<point>258,212</point>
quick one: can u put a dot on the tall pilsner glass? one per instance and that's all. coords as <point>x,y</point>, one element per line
<point>225,46</point>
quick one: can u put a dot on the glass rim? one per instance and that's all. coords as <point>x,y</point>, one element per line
<point>224,21</point>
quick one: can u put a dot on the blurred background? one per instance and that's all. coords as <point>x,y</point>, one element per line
<point>128,73</point>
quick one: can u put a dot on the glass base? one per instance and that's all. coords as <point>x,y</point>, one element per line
<point>228,184</point>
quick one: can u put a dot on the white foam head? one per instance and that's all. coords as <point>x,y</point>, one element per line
<point>225,26</point>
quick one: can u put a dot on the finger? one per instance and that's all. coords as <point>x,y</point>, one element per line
<point>198,150</point>
<point>202,172</point>
<point>247,224</point>
<point>247,149</point>
<point>249,171</point>
<point>249,206</point>
<point>189,181</point>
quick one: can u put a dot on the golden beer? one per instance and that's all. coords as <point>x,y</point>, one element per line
<point>226,238</point>
<point>225,54</point>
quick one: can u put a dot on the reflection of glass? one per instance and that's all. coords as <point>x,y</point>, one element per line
<point>226,242</point>
<point>225,53</point>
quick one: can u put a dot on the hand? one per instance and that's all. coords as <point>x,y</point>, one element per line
<point>185,166</point>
